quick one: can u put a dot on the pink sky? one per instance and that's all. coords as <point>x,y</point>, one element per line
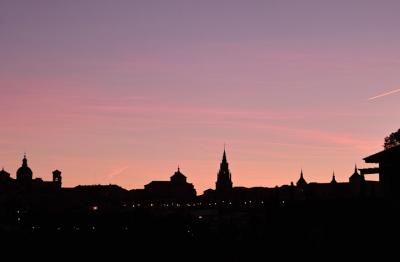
<point>123,92</point>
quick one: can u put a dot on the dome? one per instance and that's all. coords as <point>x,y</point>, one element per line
<point>24,171</point>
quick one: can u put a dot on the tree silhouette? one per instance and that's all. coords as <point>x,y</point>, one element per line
<point>392,140</point>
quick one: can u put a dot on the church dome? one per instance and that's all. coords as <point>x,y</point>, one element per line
<point>24,172</point>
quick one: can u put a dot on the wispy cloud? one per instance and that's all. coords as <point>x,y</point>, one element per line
<point>117,172</point>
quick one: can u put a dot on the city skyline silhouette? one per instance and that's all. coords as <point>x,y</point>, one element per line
<point>229,214</point>
<point>237,128</point>
<point>224,186</point>
<point>223,174</point>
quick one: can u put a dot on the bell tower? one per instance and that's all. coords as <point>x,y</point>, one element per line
<point>57,179</point>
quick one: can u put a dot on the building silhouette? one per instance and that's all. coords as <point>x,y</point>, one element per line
<point>333,181</point>
<point>175,189</point>
<point>224,178</point>
<point>57,179</point>
<point>25,182</point>
<point>301,182</point>
<point>24,175</point>
<point>4,175</point>
<point>388,169</point>
<point>172,209</point>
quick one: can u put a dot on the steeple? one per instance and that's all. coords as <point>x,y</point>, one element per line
<point>333,181</point>
<point>355,177</point>
<point>301,182</point>
<point>224,179</point>
<point>224,157</point>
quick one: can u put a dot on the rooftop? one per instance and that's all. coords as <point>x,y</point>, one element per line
<point>391,154</point>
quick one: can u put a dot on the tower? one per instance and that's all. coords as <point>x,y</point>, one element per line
<point>224,180</point>
<point>57,179</point>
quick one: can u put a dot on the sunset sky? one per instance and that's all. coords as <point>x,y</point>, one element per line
<point>123,92</point>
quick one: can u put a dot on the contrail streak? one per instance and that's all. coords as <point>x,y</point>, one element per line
<point>117,172</point>
<point>385,94</point>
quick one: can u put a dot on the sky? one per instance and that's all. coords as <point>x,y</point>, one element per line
<point>122,92</point>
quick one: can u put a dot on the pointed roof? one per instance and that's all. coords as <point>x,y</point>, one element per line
<point>224,156</point>
<point>301,181</point>
<point>355,174</point>
<point>333,181</point>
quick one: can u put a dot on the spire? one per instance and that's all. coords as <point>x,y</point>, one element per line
<point>333,178</point>
<point>224,179</point>
<point>355,170</point>
<point>179,170</point>
<point>224,156</point>
<point>301,181</point>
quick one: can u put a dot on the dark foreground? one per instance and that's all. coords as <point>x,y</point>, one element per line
<point>236,231</point>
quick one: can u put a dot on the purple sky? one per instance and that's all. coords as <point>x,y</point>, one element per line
<point>124,91</point>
